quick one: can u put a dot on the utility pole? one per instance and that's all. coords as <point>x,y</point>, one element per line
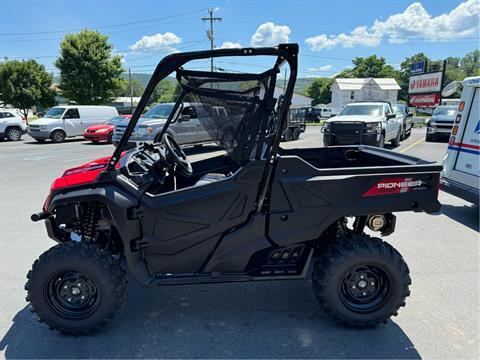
<point>210,32</point>
<point>131,90</point>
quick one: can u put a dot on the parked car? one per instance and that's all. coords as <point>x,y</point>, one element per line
<point>439,126</point>
<point>403,113</point>
<point>461,164</point>
<point>61,122</point>
<point>257,213</point>
<point>187,130</point>
<point>12,126</point>
<point>369,123</point>
<point>104,132</point>
<point>296,123</point>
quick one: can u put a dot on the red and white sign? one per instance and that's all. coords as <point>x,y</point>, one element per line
<point>425,100</point>
<point>425,83</point>
<point>393,186</point>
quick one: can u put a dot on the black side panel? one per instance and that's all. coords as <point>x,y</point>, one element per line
<point>237,248</point>
<point>305,200</point>
<point>195,217</point>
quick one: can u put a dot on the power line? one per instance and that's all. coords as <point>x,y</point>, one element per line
<point>103,26</point>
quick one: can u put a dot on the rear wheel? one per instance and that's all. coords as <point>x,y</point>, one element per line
<point>288,135</point>
<point>58,136</point>
<point>361,281</point>
<point>76,288</point>
<point>14,134</point>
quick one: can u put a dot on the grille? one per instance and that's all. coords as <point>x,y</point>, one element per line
<point>347,128</point>
<point>119,130</point>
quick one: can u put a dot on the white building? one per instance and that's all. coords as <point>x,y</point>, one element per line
<point>345,91</point>
<point>298,100</point>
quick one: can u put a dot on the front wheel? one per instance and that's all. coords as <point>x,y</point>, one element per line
<point>361,281</point>
<point>296,134</point>
<point>381,141</point>
<point>14,134</point>
<point>58,136</point>
<point>76,288</point>
<point>396,141</point>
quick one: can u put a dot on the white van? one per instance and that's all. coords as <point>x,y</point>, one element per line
<point>61,122</point>
<point>461,172</point>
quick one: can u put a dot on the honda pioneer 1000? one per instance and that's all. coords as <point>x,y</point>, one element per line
<point>256,212</point>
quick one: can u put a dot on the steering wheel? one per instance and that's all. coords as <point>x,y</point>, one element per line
<point>178,155</point>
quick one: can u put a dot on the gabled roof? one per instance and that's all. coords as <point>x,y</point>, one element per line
<point>358,84</point>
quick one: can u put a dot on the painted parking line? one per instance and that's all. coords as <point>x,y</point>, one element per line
<point>412,145</point>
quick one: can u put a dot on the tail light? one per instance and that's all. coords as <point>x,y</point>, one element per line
<point>455,130</point>
<point>451,142</point>
<point>461,105</point>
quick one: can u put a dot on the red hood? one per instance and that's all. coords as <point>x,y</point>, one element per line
<point>101,126</point>
<point>82,174</point>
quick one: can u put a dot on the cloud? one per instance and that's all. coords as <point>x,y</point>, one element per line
<point>161,43</point>
<point>414,22</point>
<point>230,45</point>
<point>269,34</point>
<point>320,68</point>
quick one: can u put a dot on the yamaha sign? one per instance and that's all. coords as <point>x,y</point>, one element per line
<point>425,83</point>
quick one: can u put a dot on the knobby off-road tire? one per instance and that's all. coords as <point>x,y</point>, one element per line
<point>76,288</point>
<point>361,281</point>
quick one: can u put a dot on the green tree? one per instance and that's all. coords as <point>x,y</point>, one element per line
<point>470,63</point>
<point>371,66</point>
<point>165,91</point>
<point>137,87</point>
<point>90,73</point>
<point>24,84</point>
<point>319,91</point>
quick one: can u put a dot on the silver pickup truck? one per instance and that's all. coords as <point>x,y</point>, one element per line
<point>187,129</point>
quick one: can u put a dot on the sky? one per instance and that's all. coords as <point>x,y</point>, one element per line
<point>330,33</point>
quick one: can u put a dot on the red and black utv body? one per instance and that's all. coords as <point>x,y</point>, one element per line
<point>256,212</point>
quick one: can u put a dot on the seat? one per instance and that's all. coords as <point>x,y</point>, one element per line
<point>210,178</point>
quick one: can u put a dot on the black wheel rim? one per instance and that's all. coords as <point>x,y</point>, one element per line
<point>72,295</point>
<point>366,289</point>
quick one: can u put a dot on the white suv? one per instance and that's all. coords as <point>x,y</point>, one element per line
<point>12,126</point>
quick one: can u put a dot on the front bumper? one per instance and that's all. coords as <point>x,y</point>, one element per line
<point>38,134</point>
<point>442,130</point>
<point>96,136</point>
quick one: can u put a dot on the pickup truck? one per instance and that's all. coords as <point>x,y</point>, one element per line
<point>367,122</point>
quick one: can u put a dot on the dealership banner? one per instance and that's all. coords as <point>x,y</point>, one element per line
<point>424,100</point>
<point>425,83</point>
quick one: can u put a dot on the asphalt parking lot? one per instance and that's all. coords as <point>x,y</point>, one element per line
<point>247,320</point>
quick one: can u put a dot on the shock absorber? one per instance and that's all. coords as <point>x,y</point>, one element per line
<point>90,211</point>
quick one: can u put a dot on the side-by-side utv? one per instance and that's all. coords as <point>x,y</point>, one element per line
<point>255,212</point>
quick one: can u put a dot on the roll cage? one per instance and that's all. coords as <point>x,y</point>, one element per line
<point>256,128</point>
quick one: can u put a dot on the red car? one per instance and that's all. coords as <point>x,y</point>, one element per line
<point>104,132</point>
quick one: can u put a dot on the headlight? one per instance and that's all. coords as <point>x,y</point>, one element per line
<point>144,131</point>
<point>372,125</point>
<point>102,131</point>
<point>43,128</point>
